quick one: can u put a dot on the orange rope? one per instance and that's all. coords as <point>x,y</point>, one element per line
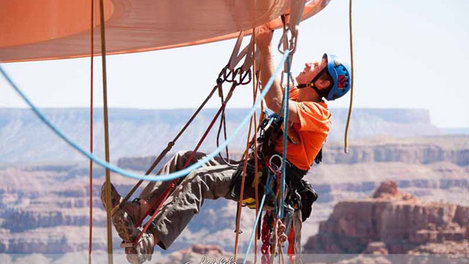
<point>90,243</point>
<point>255,87</point>
<point>238,218</point>
<point>245,157</point>
<point>106,134</point>
<point>353,78</point>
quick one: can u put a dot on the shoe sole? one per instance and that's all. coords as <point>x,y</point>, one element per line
<point>124,226</point>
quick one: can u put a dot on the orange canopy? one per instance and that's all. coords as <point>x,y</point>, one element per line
<point>56,29</point>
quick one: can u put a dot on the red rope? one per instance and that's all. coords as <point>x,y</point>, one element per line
<point>164,152</point>
<point>265,238</point>
<point>159,202</point>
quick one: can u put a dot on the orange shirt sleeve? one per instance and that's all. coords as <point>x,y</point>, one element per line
<point>314,117</point>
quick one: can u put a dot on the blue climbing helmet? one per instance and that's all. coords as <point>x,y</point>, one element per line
<point>340,74</point>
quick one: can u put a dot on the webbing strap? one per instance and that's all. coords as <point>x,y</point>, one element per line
<point>296,11</point>
<point>246,53</point>
<point>235,58</point>
<point>297,225</point>
<point>291,26</point>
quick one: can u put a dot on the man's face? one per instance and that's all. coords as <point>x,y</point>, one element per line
<point>310,71</point>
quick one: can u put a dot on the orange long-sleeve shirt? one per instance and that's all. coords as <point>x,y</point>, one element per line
<point>311,133</point>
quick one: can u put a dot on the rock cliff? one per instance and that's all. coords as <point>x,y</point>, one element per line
<point>422,150</point>
<point>391,221</point>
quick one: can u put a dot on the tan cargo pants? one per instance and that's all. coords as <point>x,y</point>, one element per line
<point>211,181</point>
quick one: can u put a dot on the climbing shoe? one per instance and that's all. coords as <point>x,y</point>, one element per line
<point>115,196</point>
<point>143,249</point>
<point>125,218</point>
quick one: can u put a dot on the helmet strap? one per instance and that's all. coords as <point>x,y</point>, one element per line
<point>304,85</point>
<point>321,93</point>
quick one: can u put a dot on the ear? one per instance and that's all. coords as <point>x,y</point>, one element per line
<point>322,84</point>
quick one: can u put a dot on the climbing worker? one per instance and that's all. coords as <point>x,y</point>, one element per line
<point>309,120</point>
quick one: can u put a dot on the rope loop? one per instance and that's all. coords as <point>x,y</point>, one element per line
<point>245,77</point>
<point>238,75</point>
<point>290,27</point>
<point>283,42</point>
<point>223,75</point>
<point>287,42</point>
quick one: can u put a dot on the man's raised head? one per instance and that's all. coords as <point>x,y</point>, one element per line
<point>330,78</point>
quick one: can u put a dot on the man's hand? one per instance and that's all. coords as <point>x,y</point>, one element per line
<point>264,37</point>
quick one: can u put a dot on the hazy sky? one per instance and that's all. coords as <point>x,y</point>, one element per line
<point>408,54</point>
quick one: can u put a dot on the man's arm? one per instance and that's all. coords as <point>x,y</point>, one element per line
<point>273,98</point>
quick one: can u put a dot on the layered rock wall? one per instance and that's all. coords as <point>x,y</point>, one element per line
<point>42,198</point>
<point>406,153</point>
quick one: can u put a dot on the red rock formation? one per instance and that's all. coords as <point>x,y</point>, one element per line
<point>388,190</point>
<point>399,221</point>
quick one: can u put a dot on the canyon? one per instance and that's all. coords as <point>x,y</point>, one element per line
<point>45,207</point>
<point>44,190</point>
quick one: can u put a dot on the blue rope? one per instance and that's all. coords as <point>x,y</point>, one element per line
<point>286,97</point>
<point>115,169</point>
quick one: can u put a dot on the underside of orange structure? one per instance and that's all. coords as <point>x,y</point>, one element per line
<point>56,29</point>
